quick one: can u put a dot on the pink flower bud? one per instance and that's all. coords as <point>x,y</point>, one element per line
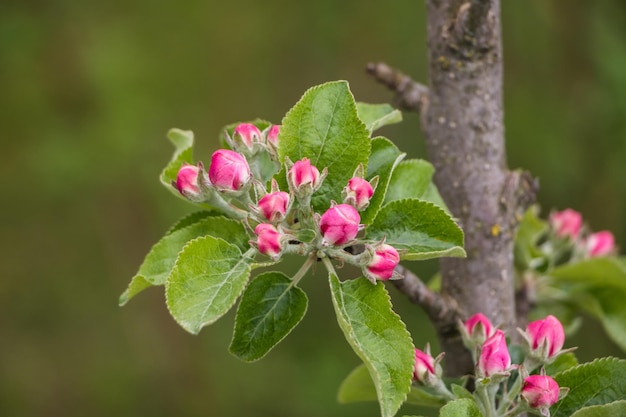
<point>272,135</point>
<point>567,223</point>
<point>494,356</point>
<point>479,328</point>
<point>248,134</point>
<point>546,337</point>
<point>274,205</point>
<point>424,366</point>
<point>229,170</point>
<point>358,193</point>
<point>187,181</point>
<point>340,224</point>
<point>303,173</point>
<point>383,262</point>
<point>600,244</point>
<point>540,391</point>
<point>268,240</point>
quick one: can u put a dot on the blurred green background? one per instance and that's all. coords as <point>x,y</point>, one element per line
<point>88,91</point>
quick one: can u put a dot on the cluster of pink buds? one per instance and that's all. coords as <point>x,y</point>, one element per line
<point>568,224</point>
<point>284,221</point>
<point>248,139</point>
<point>543,342</point>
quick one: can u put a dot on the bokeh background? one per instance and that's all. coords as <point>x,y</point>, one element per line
<point>88,91</point>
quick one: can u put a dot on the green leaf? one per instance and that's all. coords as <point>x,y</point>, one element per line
<point>324,127</point>
<point>464,407</point>
<point>410,179</point>
<point>384,158</point>
<point>269,309</point>
<point>611,311</point>
<point>419,227</point>
<point>376,116</point>
<point>419,396</point>
<point>598,285</point>
<point>209,275</point>
<point>461,392</point>
<point>595,383</point>
<point>192,218</point>
<point>159,262</point>
<point>137,285</point>
<point>602,271</point>
<point>530,229</point>
<point>358,386</point>
<point>183,142</point>
<point>614,409</point>
<point>561,363</point>
<point>432,194</point>
<point>378,336</point>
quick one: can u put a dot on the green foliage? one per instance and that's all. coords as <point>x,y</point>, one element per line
<point>384,158</point>
<point>158,264</point>
<point>358,386</point>
<point>205,259</point>
<point>464,407</point>
<point>376,116</point>
<point>183,142</point>
<point>571,281</point>
<point>324,127</point>
<point>410,180</point>
<point>270,308</point>
<point>207,279</point>
<point>421,228</point>
<point>598,286</point>
<point>378,337</point>
<point>561,363</point>
<point>595,383</point>
<point>614,409</point>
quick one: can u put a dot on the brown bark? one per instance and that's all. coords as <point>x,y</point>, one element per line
<point>462,119</point>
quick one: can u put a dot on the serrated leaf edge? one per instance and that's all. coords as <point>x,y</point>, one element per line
<point>306,307</point>
<point>377,380</point>
<point>184,325</point>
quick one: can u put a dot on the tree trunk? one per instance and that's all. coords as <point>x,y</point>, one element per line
<point>463,124</point>
<point>462,119</point>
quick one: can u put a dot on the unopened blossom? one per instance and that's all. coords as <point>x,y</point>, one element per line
<point>546,337</point>
<point>424,367</point>
<point>302,173</point>
<point>340,224</point>
<point>478,328</point>
<point>229,170</point>
<point>540,391</point>
<point>274,205</point>
<point>567,223</point>
<point>494,356</point>
<point>358,193</point>
<point>272,135</point>
<point>600,244</point>
<point>187,181</point>
<point>383,263</point>
<point>248,134</point>
<point>268,240</point>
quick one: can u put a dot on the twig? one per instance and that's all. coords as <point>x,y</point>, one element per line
<point>410,95</point>
<point>438,308</point>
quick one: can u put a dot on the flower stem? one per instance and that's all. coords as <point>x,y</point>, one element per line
<point>303,270</point>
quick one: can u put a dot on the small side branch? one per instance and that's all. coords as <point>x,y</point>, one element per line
<point>438,308</point>
<point>410,95</point>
